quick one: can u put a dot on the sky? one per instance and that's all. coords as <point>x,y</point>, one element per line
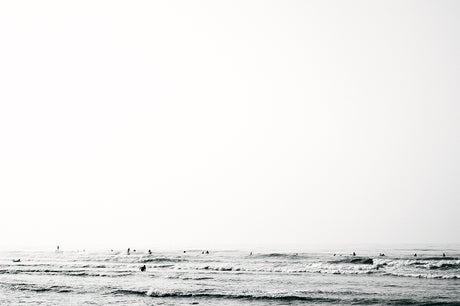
<point>218,124</point>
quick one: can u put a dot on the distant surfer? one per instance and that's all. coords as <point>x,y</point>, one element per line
<point>250,254</point>
<point>443,254</point>
<point>150,252</point>
<point>415,255</point>
<point>354,254</point>
<point>143,268</point>
<point>17,260</point>
<point>128,252</point>
<point>207,252</point>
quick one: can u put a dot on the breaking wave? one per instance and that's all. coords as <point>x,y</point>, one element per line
<point>152,293</point>
<point>355,260</point>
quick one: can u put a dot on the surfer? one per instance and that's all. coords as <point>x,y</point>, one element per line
<point>129,249</point>
<point>17,260</point>
<point>150,252</point>
<point>354,254</point>
<point>415,255</point>
<point>143,268</point>
<point>443,254</point>
<point>207,252</point>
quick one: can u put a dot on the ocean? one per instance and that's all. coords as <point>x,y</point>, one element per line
<point>231,277</point>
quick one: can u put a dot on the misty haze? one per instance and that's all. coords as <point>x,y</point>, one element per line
<point>229,152</point>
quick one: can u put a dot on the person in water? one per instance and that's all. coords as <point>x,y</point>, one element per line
<point>129,249</point>
<point>443,254</point>
<point>415,255</point>
<point>150,252</point>
<point>354,254</point>
<point>143,268</point>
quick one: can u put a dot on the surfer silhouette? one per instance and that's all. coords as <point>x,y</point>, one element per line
<point>143,268</point>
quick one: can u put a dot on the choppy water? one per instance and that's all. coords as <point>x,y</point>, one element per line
<point>231,278</point>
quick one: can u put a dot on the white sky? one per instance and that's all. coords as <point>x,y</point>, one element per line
<point>223,123</point>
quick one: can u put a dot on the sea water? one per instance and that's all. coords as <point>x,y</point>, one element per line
<point>231,277</point>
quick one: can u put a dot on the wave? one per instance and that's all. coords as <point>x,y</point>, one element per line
<point>438,258</point>
<point>162,259</point>
<point>435,265</point>
<point>68,272</point>
<point>35,288</point>
<point>279,255</point>
<point>292,298</point>
<point>417,275</point>
<point>197,278</point>
<point>445,266</point>
<point>152,293</point>
<point>355,260</point>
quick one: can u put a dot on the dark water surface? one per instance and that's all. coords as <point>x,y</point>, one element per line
<point>231,278</point>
